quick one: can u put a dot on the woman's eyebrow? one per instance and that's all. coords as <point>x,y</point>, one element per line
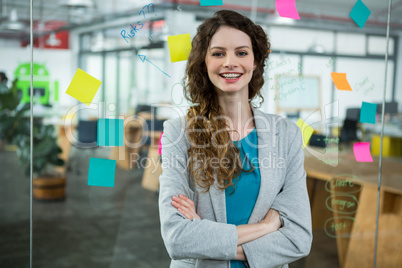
<point>235,48</point>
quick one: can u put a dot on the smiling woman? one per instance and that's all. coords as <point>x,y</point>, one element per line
<point>237,213</point>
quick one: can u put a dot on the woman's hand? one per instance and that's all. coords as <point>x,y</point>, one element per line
<point>272,219</point>
<point>185,206</point>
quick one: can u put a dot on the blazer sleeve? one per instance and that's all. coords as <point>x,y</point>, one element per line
<point>293,240</point>
<point>184,238</point>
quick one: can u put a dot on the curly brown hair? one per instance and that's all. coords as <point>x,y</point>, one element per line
<point>206,124</point>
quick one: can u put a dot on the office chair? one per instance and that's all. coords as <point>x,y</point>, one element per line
<point>353,114</point>
<point>349,131</point>
<point>87,139</point>
<point>318,140</point>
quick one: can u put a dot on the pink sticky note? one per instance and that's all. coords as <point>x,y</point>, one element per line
<point>362,152</point>
<point>160,144</point>
<point>287,9</point>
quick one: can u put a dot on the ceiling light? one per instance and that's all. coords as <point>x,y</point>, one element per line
<point>278,20</point>
<point>13,23</point>
<point>316,48</point>
<point>77,3</point>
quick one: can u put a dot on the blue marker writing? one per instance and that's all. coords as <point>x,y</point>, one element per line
<point>143,58</point>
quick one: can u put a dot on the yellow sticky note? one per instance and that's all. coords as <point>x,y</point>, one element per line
<point>306,131</point>
<point>340,81</point>
<point>179,47</point>
<point>83,87</point>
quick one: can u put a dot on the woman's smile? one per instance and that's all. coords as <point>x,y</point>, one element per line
<point>230,60</point>
<point>230,77</point>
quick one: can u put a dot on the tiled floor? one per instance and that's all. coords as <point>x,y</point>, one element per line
<point>95,226</point>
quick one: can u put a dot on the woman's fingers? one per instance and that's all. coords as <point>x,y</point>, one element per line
<point>185,206</point>
<point>186,201</point>
<point>182,202</point>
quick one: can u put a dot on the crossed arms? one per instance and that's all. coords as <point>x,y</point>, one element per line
<point>189,237</point>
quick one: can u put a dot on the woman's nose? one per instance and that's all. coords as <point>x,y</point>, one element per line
<point>230,61</point>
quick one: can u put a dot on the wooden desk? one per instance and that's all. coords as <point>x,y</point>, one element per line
<point>153,167</point>
<point>126,156</point>
<point>355,228</point>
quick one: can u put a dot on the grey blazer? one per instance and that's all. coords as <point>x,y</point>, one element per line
<point>211,242</point>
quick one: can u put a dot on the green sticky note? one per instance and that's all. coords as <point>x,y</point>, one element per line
<point>110,132</point>
<point>179,47</point>
<point>368,112</point>
<point>101,172</point>
<point>83,87</point>
<point>306,131</point>
<point>360,13</point>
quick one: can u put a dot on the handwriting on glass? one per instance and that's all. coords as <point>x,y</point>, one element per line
<point>365,85</point>
<point>343,189</point>
<point>330,63</point>
<point>136,28</point>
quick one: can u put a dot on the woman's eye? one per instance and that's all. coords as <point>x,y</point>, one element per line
<point>242,53</point>
<point>217,54</point>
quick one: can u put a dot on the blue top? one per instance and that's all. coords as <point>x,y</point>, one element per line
<point>240,204</point>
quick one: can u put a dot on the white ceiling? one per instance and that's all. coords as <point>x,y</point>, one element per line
<point>336,11</point>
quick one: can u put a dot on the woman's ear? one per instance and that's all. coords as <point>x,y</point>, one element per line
<point>254,66</point>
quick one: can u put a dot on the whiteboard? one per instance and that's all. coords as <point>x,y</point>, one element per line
<point>296,93</point>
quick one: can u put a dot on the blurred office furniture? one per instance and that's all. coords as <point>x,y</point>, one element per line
<point>354,184</point>
<point>390,108</point>
<point>349,131</point>
<point>65,145</point>
<point>350,125</point>
<point>139,131</point>
<point>126,156</point>
<point>392,146</point>
<point>86,139</point>
<point>147,112</point>
<point>295,115</point>
<point>318,140</point>
<point>87,133</point>
<point>353,114</point>
<point>392,140</point>
<point>153,166</point>
<point>150,178</point>
<point>150,126</point>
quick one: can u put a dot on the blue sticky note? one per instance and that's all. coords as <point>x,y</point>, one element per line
<point>101,172</point>
<point>368,112</point>
<point>211,2</point>
<point>360,13</point>
<point>110,132</point>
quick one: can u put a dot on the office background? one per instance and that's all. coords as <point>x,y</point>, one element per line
<point>93,226</point>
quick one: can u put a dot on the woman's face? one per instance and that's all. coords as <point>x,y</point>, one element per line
<point>230,60</point>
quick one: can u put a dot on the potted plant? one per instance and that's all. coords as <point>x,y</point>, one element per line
<point>15,129</point>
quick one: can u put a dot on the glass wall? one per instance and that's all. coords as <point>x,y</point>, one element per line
<point>101,94</point>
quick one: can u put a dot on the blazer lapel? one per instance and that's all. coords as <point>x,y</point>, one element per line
<point>267,141</point>
<point>218,200</point>
<point>265,133</point>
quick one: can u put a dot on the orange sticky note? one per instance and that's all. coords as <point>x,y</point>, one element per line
<point>179,47</point>
<point>340,81</point>
<point>83,87</point>
<point>306,131</point>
